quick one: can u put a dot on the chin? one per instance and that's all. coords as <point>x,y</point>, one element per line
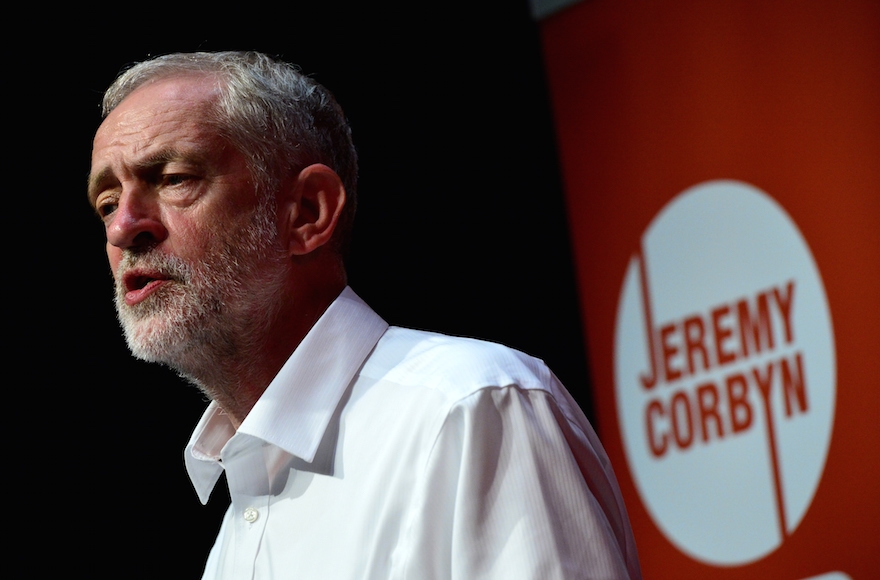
<point>154,340</point>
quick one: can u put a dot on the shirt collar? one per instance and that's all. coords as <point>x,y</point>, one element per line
<point>295,410</point>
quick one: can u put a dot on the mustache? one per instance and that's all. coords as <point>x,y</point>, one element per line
<point>166,265</point>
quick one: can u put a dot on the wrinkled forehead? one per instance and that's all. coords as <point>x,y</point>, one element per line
<point>158,107</point>
<point>171,118</point>
<point>190,91</point>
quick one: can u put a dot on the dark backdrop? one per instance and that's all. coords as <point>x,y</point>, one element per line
<point>461,229</point>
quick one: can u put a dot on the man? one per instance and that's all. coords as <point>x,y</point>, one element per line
<point>226,184</point>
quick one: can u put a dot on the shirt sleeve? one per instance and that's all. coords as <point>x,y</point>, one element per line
<point>526,491</point>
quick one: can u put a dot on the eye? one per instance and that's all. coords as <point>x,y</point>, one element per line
<point>174,179</point>
<point>106,206</point>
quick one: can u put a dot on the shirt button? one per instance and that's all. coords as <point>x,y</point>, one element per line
<point>251,515</point>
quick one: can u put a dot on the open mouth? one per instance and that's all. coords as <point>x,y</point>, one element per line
<point>140,284</point>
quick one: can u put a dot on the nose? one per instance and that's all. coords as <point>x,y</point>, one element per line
<point>136,223</point>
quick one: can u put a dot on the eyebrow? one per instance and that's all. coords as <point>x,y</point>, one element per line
<point>93,181</point>
<point>158,159</point>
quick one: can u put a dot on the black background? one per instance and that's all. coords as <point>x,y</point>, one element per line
<point>461,229</point>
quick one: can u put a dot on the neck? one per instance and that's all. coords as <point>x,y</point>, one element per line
<point>235,372</point>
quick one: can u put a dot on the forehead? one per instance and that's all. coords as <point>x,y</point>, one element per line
<point>176,107</point>
<point>166,119</point>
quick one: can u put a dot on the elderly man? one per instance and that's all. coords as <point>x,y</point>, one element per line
<point>226,184</point>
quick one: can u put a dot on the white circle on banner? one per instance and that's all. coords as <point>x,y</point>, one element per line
<point>725,374</point>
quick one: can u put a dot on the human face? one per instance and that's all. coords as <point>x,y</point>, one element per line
<point>191,246</point>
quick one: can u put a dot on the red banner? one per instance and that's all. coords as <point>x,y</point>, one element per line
<point>722,169</point>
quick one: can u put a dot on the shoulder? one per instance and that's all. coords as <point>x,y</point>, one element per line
<point>454,367</point>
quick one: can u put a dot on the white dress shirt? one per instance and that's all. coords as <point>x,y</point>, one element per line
<point>387,453</point>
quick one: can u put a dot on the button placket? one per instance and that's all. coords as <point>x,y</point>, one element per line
<point>248,485</point>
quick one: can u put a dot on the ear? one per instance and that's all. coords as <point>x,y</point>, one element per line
<point>313,207</point>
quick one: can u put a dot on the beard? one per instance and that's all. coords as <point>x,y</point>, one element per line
<point>211,312</point>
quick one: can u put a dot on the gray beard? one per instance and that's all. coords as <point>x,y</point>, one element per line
<point>210,314</point>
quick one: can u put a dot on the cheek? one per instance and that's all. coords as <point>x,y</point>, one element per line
<point>189,241</point>
<point>114,256</point>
